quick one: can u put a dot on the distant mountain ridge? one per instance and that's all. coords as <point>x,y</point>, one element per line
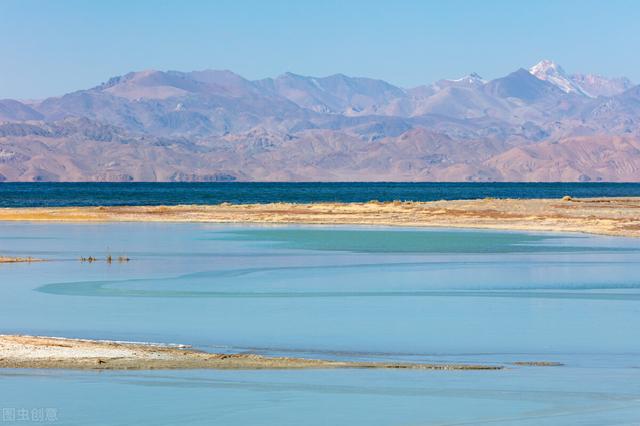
<point>536,124</point>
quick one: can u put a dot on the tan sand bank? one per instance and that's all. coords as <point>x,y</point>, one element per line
<point>51,352</point>
<point>609,216</point>
<point>537,364</point>
<point>5,259</point>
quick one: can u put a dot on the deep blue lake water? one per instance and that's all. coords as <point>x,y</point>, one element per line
<point>106,194</point>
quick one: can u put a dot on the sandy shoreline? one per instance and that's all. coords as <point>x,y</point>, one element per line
<point>18,351</point>
<point>606,216</point>
<point>6,259</point>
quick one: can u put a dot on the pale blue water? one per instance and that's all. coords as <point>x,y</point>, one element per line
<point>340,293</point>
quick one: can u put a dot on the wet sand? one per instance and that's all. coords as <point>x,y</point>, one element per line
<point>17,351</point>
<point>606,216</point>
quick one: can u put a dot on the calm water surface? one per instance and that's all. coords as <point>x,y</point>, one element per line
<point>42,194</point>
<point>338,293</point>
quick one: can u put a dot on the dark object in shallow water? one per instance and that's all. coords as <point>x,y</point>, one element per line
<point>108,259</point>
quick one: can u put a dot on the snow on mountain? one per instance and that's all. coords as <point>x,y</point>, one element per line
<point>553,73</point>
<point>471,79</point>
<point>597,85</point>
<point>522,84</point>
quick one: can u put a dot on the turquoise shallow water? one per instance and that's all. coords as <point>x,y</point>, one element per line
<point>340,293</point>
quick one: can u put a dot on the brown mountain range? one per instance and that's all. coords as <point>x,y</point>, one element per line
<point>531,125</point>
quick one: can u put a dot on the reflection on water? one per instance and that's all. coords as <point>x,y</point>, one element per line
<point>342,293</point>
<point>368,397</point>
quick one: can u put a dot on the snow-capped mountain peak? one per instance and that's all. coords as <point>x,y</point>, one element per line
<point>468,81</point>
<point>472,78</point>
<point>553,73</point>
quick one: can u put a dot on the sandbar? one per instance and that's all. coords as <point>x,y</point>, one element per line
<point>7,259</point>
<point>21,351</point>
<point>605,216</point>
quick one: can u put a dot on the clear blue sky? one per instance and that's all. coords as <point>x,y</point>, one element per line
<point>50,47</point>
